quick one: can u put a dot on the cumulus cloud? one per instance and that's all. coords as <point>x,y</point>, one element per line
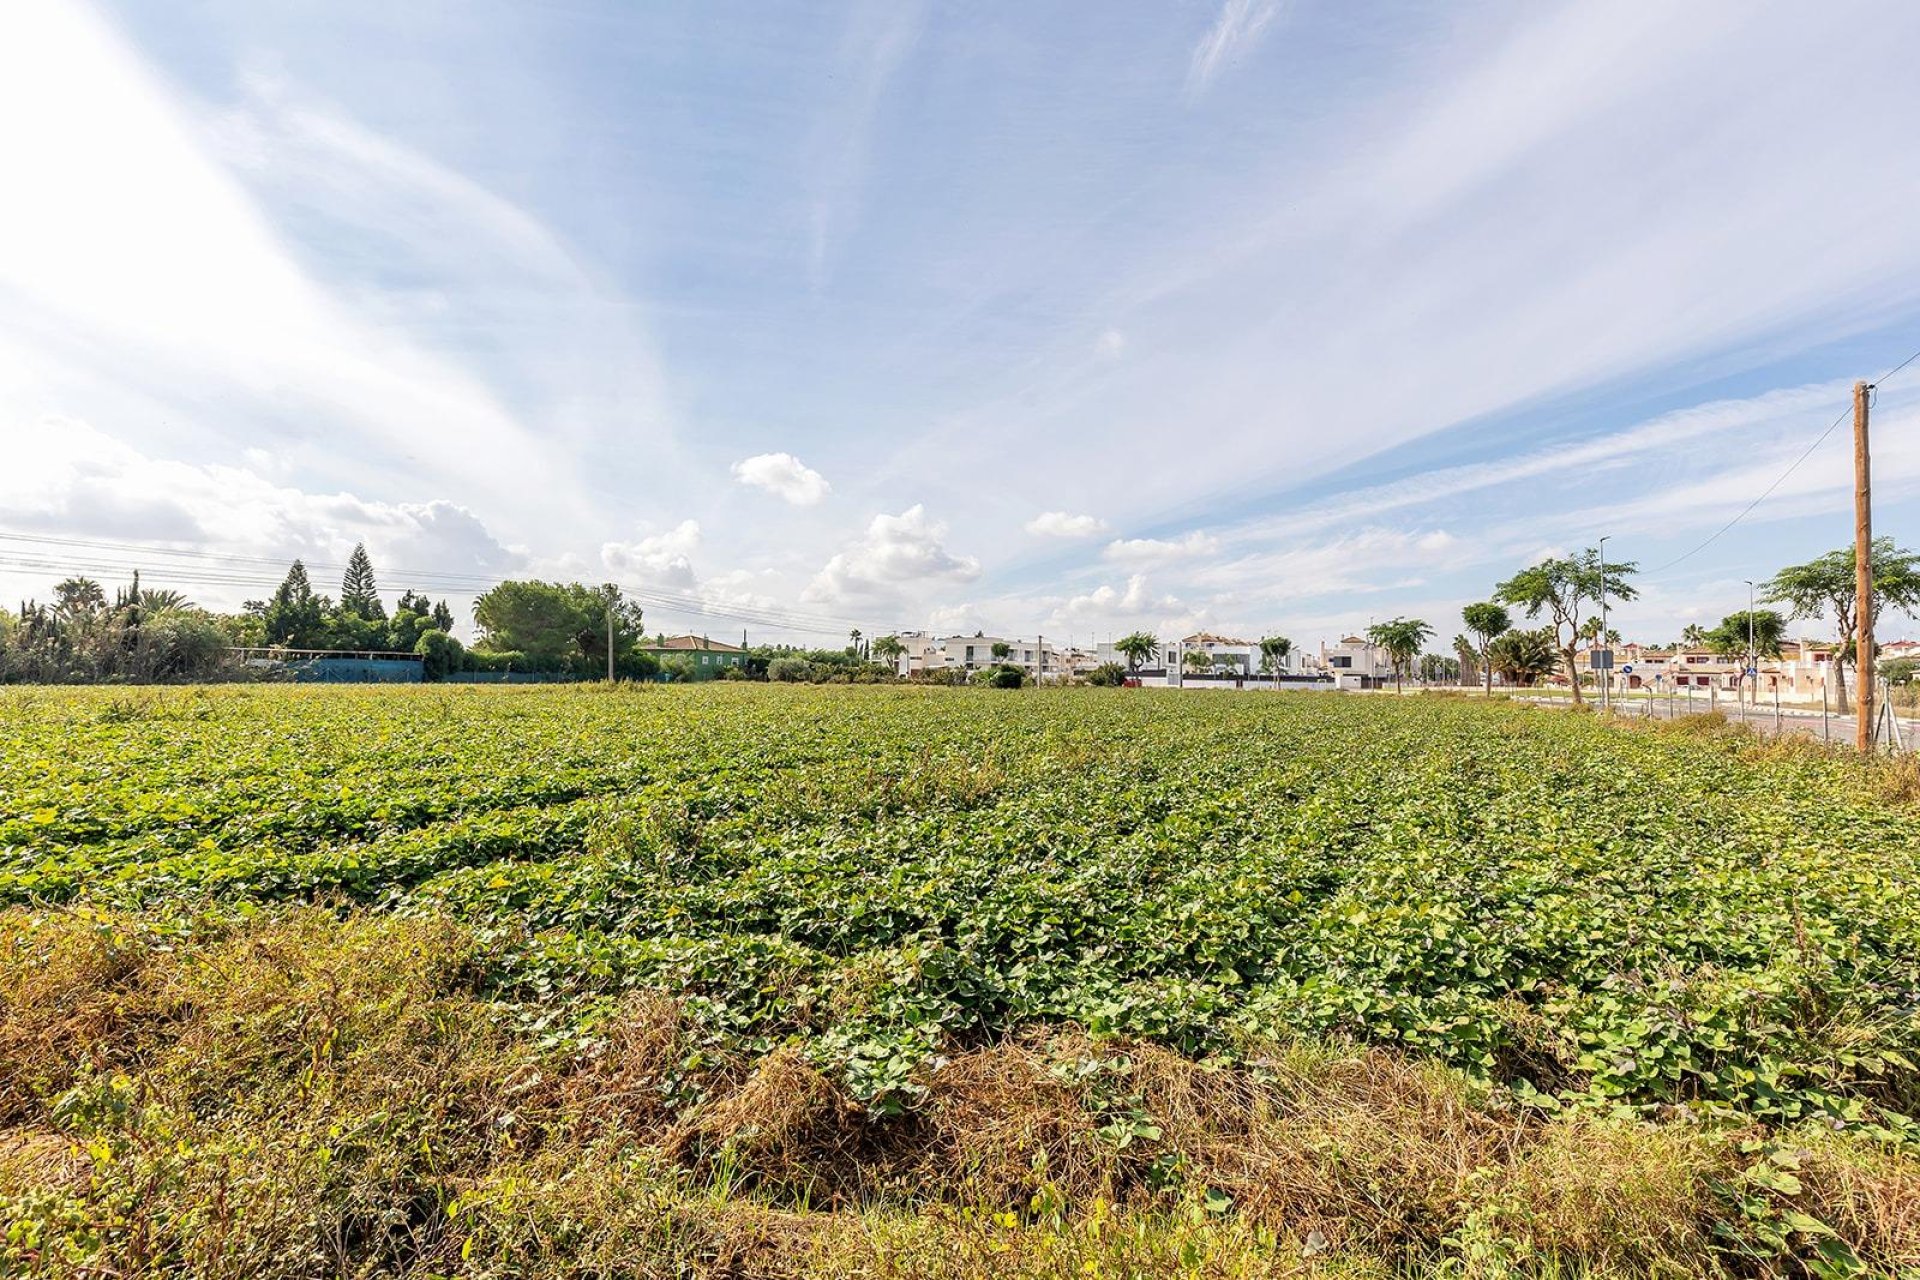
<point>894,551</point>
<point>1059,524</point>
<point>1107,600</point>
<point>1159,551</point>
<point>784,475</point>
<point>1111,344</point>
<point>743,589</point>
<point>72,476</point>
<point>662,559</point>
<point>964,618</point>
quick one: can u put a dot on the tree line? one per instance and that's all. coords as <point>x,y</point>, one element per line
<point>143,633</point>
<point>1563,594</point>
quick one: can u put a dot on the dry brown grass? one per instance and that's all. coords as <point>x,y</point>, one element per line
<point>68,987</point>
<point>1002,1127</point>
<point>1870,1195</point>
<point>788,1131</point>
<point>306,1095</point>
<point>1621,1194</point>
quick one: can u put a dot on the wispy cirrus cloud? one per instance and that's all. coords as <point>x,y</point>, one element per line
<point>879,38</point>
<point>156,284</point>
<point>1234,33</point>
<point>968,260</point>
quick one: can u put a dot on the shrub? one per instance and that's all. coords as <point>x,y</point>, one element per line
<point>439,653</point>
<point>495,660</point>
<point>791,670</point>
<point>1108,674</point>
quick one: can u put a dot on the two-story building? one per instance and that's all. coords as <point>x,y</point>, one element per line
<point>1356,663</point>
<point>926,653</point>
<point>707,658</point>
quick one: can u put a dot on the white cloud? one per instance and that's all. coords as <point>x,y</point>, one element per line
<point>1146,551</point>
<point>1111,344</point>
<point>755,589</point>
<point>1233,34</point>
<point>243,527</point>
<point>660,560</point>
<point>895,551</point>
<point>964,618</point>
<point>148,281</point>
<point>1106,601</point>
<point>784,475</point>
<point>1060,524</point>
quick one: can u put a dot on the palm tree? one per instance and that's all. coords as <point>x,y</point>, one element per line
<point>79,599</point>
<point>1522,657</point>
<point>853,642</point>
<point>1487,621</point>
<point>159,599</point>
<point>888,649</point>
<point>1138,647</point>
<point>1199,660</point>
<point>1470,659</point>
<point>1273,654</point>
<point>1402,638</point>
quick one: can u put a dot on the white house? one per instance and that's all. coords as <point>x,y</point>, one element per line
<point>970,653</point>
<point>1356,663</point>
<point>1227,657</point>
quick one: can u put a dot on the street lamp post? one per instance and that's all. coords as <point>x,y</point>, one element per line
<point>1606,672</point>
<point>1753,659</point>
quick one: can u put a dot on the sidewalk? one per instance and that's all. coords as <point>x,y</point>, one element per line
<point>1828,726</point>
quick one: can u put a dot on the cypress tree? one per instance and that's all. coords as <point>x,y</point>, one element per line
<point>294,615</point>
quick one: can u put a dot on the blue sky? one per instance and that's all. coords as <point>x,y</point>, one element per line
<point>1255,316</point>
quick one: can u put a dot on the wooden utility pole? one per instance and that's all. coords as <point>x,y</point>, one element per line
<point>1863,664</point>
<point>610,591</point>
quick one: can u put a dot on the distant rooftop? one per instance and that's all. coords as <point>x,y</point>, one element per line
<point>693,642</point>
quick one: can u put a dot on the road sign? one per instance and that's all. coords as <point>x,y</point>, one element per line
<point>1753,671</point>
<point>1602,659</point>
<point>1626,668</point>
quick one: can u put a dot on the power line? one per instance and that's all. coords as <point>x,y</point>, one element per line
<point>222,562</point>
<point>222,569</point>
<point>1781,478</point>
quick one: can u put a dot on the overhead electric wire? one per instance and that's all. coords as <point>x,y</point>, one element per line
<point>218,569</point>
<point>1781,478</point>
<point>429,577</point>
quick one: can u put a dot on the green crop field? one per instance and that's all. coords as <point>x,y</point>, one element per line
<point>885,981</point>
